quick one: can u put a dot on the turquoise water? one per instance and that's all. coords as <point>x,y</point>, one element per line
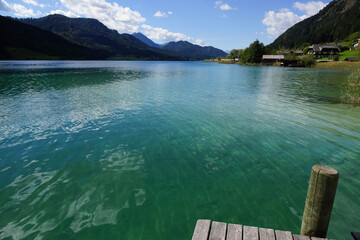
<point>141,150</point>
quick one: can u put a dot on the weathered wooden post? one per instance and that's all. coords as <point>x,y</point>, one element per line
<point>319,201</point>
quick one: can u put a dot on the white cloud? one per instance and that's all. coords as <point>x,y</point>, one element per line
<point>4,6</point>
<point>65,13</point>
<point>199,42</point>
<point>278,22</point>
<point>310,8</point>
<point>167,36</point>
<point>160,14</point>
<point>120,18</point>
<point>223,6</point>
<point>111,14</point>
<point>34,3</point>
<point>163,34</point>
<point>21,11</point>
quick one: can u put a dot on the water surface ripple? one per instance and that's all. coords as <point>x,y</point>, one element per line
<point>141,150</point>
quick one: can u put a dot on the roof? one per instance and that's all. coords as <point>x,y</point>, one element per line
<point>273,57</point>
<point>292,51</point>
<point>320,47</point>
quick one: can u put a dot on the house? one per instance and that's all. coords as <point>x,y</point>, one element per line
<point>266,59</point>
<point>327,50</point>
<point>292,52</point>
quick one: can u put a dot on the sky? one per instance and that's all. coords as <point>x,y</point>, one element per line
<point>225,24</point>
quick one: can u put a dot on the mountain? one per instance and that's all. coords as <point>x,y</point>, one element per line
<point>336,21</point>
<point>184,49</point>
<point>146,40</point>
<point>192,51</point>
<point>22,41</point>
<point>93,34</point>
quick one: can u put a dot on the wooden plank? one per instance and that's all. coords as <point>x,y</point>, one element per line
<point>234,232</point>
<point>202,229</point>
<point>251,233</point>
<point>266,234</point>
<point>283,235</point>
<point>298,237</point>
<point>218,231</point>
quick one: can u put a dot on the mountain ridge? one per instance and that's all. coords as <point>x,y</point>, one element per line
<point>184,48</point>
<point>146,40</point>
<point>100,42</point>
<point>23,41</point>
<point>336,21</point>
<point>193,51</point>
<point>92,33</point>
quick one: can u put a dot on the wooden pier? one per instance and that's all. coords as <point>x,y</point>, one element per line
<point>315,221</point>
<point>205,230</point>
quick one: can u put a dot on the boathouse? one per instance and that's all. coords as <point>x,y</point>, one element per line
<point>267,59</point>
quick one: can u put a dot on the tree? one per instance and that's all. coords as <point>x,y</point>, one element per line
<point>308,60</point>
<point>291,57</point>
<point>357,54</point>
<point>254,53</point>
<point>235,53</point>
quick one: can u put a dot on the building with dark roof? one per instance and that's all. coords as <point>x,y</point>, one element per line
<point>324,50</point>
<point>293,52</point>
<point>266,59</point>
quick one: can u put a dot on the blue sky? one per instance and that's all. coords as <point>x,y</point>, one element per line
<point>225,24</point>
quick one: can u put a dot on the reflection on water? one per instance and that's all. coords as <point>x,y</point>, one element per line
<point>141,150</point>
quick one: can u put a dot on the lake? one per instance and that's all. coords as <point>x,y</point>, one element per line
<point>141,150</point>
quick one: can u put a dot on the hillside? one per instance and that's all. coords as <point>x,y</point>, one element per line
<point>93,34</point>
<point>336,21</point>
<point>22,41</point>
<point>146,40</point>
<point>192,51</point>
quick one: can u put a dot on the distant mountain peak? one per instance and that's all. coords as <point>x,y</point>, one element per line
<point>193,51</point>
<point>146,40</point>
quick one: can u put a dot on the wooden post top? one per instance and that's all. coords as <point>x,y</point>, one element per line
<point>325,170</point>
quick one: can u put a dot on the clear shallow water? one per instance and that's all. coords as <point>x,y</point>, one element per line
<point>141,150</point>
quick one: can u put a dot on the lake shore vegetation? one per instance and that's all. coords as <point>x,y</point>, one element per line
<point>351,92</point>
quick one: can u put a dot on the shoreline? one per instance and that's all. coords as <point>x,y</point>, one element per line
<point>344,66</point>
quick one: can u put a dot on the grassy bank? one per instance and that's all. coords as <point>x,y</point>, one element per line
<point>351,92</point>
<point>349,66</point>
